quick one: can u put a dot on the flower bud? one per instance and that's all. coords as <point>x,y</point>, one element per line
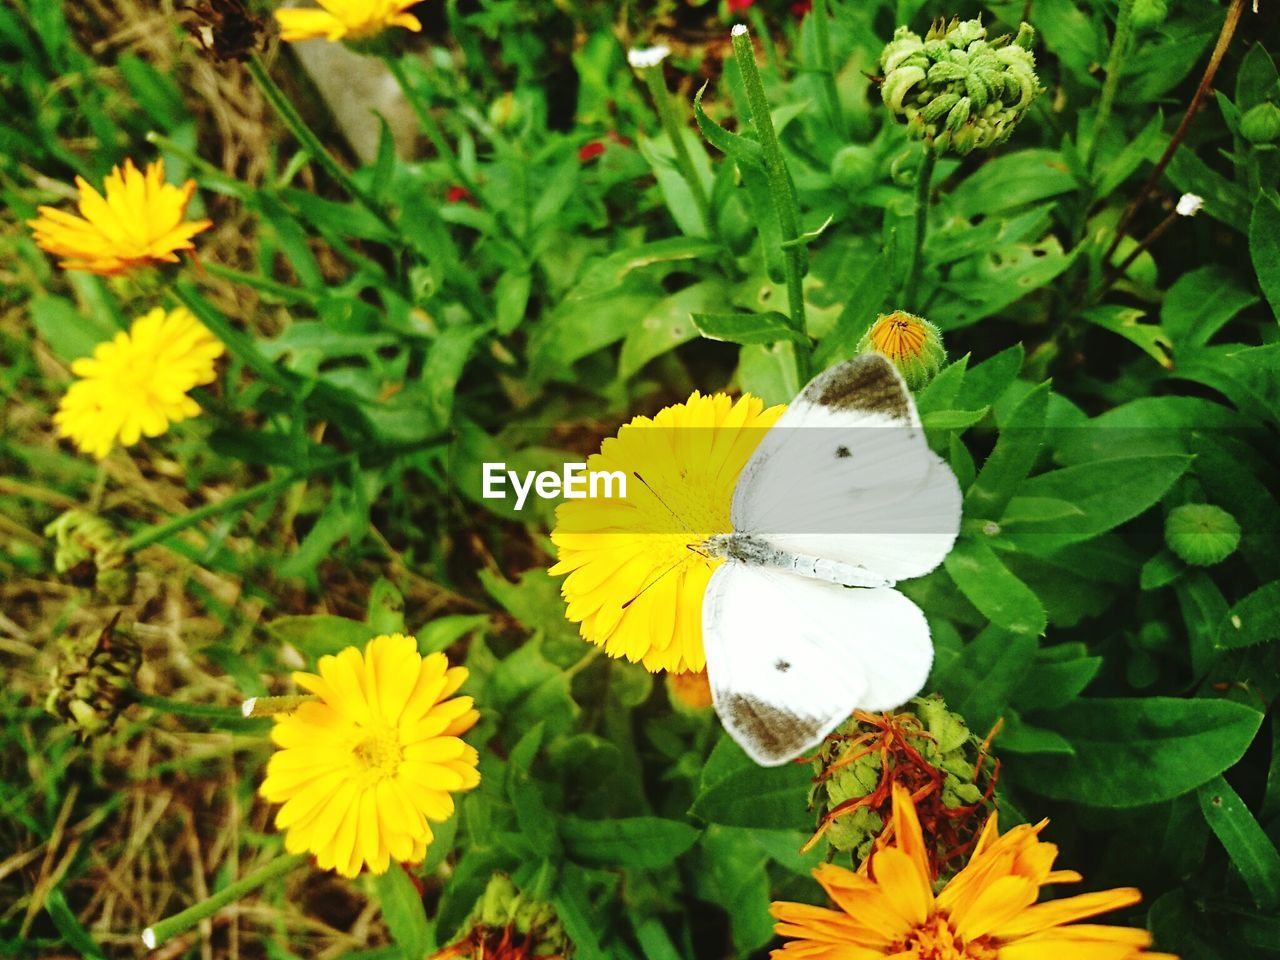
<point>690,692</point>
<point>955,89</point>
<point>913,344</point>
<point>90,686</point>
<point>1149,14</point>
<point>1261,123</point>
<point>90,553</point>
<point>855,167</point>
<point>505,925</point>
<point>928,749</point>
<point>1201,534</point>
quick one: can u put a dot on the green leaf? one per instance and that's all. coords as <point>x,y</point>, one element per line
<point>321,633</point>
<point>608,273</point>
<point>1015,453</point>
<point>73,932</point>
<point>403,910</point>
<point>668,324</point>
<point>1135,751</point>
<point>69,333</point>
<point>979,682</point>
<point>736,792</point>
<point>511,299</point>
<point>1248,845</point>
<point>156,93</point>
<point>1011,181</point>
<point>1254,620</point>
<point>999,595</point>
<point>731,873</point>
<point>627,842</point>
<point>1201,303</point>
<point>766,328</point>
<point>386,607</point>
<point>1124,322</point>
<point>1264,248</point>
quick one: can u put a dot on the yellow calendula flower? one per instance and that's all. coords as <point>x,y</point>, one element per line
<point>988,911</point>
<point>363,768</point>
<point>911,343</point>
<point>346,19</point>
<point>635,573</point>
<point>137,221</point>
<point>136,384</point>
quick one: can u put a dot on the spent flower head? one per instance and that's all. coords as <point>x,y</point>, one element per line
<point>93,682</point>
<point>137,221</point>
<point>136,384</point>
<point>955,89</point>
<point>507,924</point>
<point>363,769</point>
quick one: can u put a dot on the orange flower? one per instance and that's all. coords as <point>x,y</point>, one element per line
<point>138,223</point>
<point>988,911</point>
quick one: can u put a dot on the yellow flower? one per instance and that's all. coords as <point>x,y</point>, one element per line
<point>346,20</point>
<point>912,344</point>
<point>691,690</point>
<point>363,768</point>
<point>988,911</point>
<point>138,223</point>
<point>136,384</point>
<point>635,574</point>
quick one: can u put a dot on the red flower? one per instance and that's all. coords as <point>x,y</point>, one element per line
<point>589,151</point>
<point>801,7</point>
<point>737,6</point>
<point>458,194</point>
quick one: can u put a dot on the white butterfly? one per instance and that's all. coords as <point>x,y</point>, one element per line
<point>801,624</point>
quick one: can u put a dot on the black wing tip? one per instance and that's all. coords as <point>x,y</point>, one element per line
<point>868,383</point>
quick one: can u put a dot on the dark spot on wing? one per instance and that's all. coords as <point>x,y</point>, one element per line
<point>842,453</point>
<point>777,733</point>
<point>782,666</point>
<point>867,383</point>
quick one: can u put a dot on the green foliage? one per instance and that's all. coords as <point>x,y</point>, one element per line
<point>387,334</point>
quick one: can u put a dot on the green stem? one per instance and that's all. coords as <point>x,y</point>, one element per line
<point>305,136</point>
<point>1115,65</point>
<point>238,344</point>
<point>826,66</point>
<point>270,706</point>
<point>181,708</point>
<point>161,531</point>
<point>170,927</point>
<point>430,127</point>
<point>674,128</point>
<point>924,179</point>
<point>784,200</point>
<point>213,176</point>
<point>260,283</point>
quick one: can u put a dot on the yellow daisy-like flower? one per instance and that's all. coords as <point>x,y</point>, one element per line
<point>136,384</point>
<point>363,769</point>
<point>988,911</point>
<point>346,20</point>
<point>635,574</point>
<point>139,222</point>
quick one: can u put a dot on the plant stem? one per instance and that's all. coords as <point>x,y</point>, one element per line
<point>1206,81</point>
<point>161,531</point>
<point>1115,64</point>
<point>270,706</point>
<point>826,66</point>
<point>924,179</point>
<point>170,927</point>
<point>675,132</point>
<point>305,136</point>
<point>784,200</point>
<point>181,708</point>
<point>430,127</point>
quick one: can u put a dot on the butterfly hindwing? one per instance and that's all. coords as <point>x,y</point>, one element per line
<point>789,658</point>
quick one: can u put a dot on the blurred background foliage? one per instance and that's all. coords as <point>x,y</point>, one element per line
<point>516,296</point>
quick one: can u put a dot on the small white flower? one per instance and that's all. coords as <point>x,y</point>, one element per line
<point>1189,205</point>
<point>646,57</point>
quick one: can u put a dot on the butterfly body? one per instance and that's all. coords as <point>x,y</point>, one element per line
<point>843,491</point>
<point>752,549</point>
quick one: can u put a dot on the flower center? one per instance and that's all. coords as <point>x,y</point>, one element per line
<point>380,752</point>
<point>936,939</point>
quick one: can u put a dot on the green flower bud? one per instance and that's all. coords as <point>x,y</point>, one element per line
<point>1149,14</point>
<point>91,685</point>
<point>855,167</point>
<point>505,925</point>
<point>926,747</point>
<point>1261,123</point>
<point>912,343</point>
<point>1201,534</point>
<point>90,553</point>
<point>925,81</point>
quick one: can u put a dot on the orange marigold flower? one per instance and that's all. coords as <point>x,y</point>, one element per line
<point>138,223</point>
<point>988,911</point>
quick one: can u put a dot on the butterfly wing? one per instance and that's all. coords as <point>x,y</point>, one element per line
<point>845,474</point>
<point>789,657</point>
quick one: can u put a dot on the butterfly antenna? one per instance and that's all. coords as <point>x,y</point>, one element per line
<point>653,582</point>
<point>663,502</point>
